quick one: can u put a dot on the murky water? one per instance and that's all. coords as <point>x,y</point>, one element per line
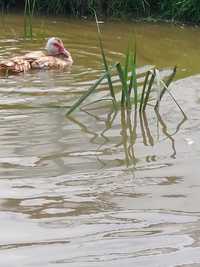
<point>90,190</point>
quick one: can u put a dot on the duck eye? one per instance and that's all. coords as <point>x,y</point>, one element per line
<point>56,45</point>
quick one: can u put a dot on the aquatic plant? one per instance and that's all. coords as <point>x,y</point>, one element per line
<point>126,75</point>
<point>104,58</point>
<point>182,10</point>
<point>5,5</point>
<point>28,18</point>
<point>141,96</point>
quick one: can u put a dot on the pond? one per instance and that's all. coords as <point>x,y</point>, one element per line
<point>91,190</point>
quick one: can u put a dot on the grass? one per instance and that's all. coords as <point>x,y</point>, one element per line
<point>131,93</point>
<point>104,58</point>
<point>88,93</point>
<point>181,10</point>
<point>29,9</point>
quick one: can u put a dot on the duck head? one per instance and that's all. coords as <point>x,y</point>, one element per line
<point>55,47</point>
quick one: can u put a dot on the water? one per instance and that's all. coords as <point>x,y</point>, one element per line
<point>80,192</point>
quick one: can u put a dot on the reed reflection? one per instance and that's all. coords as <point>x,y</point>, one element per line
<point>166,131</point>
<point>133,127</point>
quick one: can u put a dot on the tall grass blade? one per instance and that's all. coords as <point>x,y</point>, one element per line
<point>129,63</point>
<point>167,83</point>
<point>126,65</point>
<point>148,90</point>
<point>84,96</point>
<point>121,76</point>
<point>25,18</point>
<point>130,86</point>
<point>125,97</point>
<point>166,90</point>
<point>30,19</point>
<point>176,102</point>
<point>33,8</point>
<point>28,16</point>
<point>104,58</point>
<point>143,90</point>
<point>133,80</point>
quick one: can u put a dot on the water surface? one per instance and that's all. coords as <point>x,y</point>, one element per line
<point>90,190</point>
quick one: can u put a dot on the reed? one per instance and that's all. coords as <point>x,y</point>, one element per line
<point>104,58</point>
<point>143,90</point>
<point>127,75</point>
<point>128,78</point>
<point>86,94</point>
<point>130,91</point>
<point>148,91</point>
<point>29,9</point>
<point>166,85</point>
<point>133,79</point>
<point>180,10</point>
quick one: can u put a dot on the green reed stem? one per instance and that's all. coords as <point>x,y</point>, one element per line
<point>30,19</point>
<point>88,93</point>
<point>135,78</point>
<point>25,18</point>
<point>148,91</point>
<point>104,58</point>
<point>28,16</point>
<point>125,98</point>
<point>130,87</point>
<point>33,7</point>
<point>167,83</point>
<point>126,65</point>
<point>143,90</point>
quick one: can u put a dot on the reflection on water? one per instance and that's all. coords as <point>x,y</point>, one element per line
<point>102,187</point>
<point>131,122</point>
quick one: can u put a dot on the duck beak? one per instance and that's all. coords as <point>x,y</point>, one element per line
<point>65,52</point>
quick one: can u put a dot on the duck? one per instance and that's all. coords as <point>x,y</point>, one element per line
<point>54,56</point>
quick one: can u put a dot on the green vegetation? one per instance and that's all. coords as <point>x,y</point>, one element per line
<point>131,93</point>
<point>141,96</point>
<point>28,16</point>
<point>181,10</point>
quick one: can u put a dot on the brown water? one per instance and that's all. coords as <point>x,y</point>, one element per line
<point>93,190</point>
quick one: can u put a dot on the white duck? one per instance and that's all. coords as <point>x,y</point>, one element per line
<point>55,57</point>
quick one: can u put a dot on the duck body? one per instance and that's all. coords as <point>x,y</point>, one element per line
<point>55,57</point>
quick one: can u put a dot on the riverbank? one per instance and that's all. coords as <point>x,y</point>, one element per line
<point>177,10</point>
